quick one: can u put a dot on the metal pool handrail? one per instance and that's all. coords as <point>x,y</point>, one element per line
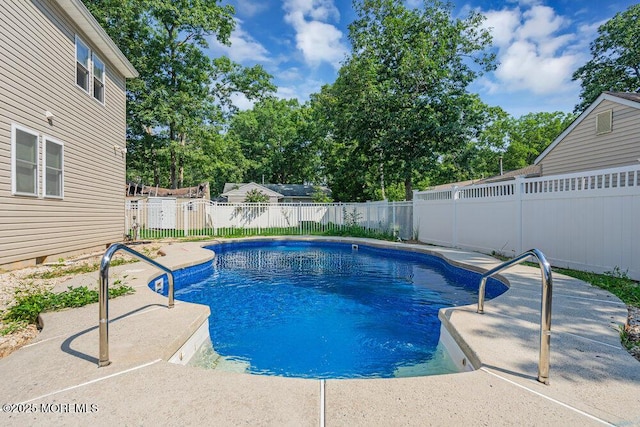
<point>545,309</point>
<point>103,294</point>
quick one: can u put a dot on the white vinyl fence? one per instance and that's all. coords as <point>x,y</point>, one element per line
<point>166,217</point>
<point>588,221</point>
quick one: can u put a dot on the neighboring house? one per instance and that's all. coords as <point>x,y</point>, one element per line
<point>526,172</point>
<point>62,132</point>
<point>605,135</point>
<point>278,193</point>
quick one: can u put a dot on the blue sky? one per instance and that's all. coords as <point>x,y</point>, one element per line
<point>539,44</point>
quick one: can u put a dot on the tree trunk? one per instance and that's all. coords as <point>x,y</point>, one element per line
<point>408,188</point>
<point>173,158</point>
<point>173,170</point>
<point>384,196</point>
<point>183,142</point>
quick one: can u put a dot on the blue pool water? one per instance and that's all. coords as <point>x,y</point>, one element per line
<point>328,310</point>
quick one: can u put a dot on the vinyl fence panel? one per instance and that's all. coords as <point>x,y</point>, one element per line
<point>587,220</point>
<point>165,218</point>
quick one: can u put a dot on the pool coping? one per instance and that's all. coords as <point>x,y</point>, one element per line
<point>593,379</point>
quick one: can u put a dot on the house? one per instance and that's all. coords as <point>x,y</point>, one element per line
<point>277,193</point>
<point>605,135</point>
<point>526,172</point>
<point>62,132</point>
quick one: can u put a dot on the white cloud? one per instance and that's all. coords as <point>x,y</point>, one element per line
<point>290,74</point>
<point>288,92</point>
<point>536,53</point>
<point>244,48</point>
<point>301,91</point>
<point>522,67</point>
<point>502,24</point>
<point>251,8</point>
<point>317,10</point>
<point>540,22</point>
<point>318,40</point>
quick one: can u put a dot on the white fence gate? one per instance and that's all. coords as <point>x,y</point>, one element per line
<point>162,212</point>
<point>587,221</point>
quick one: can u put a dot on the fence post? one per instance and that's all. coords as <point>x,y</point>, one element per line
<point>454,197</point>
<point>518,190</point>
<point>127,212</point>
<point>212,215</point>
<point>393,220</point>
<point>185,218</point>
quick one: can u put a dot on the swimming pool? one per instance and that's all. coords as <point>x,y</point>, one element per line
<point>330,310</point>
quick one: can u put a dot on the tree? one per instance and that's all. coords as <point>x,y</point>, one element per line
<point>400,100</point>
<point>181,92</point>
<point>320,195</point>
<point>530,134</point>
<point>256,196</point>
<point>615,63</point>
<point>276,138</point>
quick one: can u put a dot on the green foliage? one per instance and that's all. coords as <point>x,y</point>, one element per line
<point>529,135</point>
<point>351,218</point>
<point>627,341</point>
<point>178,106</point>
<point>277,139</point>
<point>9,327</point>
<point>394,192</point>
<point>615,63</point>
<point>256,196</point>
<point>29,304</point>
<point>320,195</point>
<point>360,232</point>
<point>616,282</point>
<point>61,270</point>
<point>400,99</point>
<point>518,141</point>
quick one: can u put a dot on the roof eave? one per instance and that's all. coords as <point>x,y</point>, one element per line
<point>79,14</point>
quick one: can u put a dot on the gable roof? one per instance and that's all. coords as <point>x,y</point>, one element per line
<point>284,190</point>
<point>526,172</point>
<point>297,190</point>
<point>626,95</point>
<point>81,16</point>
<point>530,171</point>
<point>231,189</point>
<point>624,98</point>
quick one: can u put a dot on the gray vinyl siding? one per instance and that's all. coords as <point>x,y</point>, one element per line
<point>582,149</point>
<point>37,74</point>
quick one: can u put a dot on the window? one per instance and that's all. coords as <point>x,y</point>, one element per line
<point>98,78</point>
<point>25,155</point>
<point>90,71</point>
<point>24,161</point>
<point>53,168</point>
<point>82,64</point>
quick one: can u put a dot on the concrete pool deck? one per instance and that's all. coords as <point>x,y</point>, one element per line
<point>593,380</point>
